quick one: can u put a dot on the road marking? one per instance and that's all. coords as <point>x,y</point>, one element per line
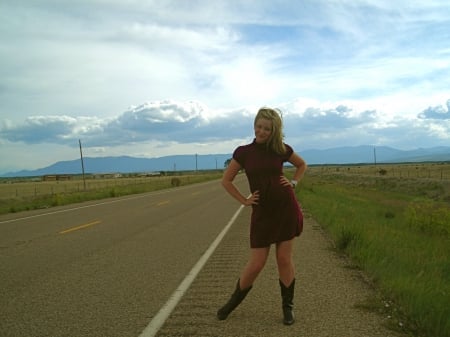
<point>80,227</point>
<point>157,322</point>
<point>161,203</point>
<point>107,202</point>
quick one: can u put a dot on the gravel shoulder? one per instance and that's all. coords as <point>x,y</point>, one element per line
<point>327,299</point>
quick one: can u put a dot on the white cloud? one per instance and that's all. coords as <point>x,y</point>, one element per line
<point>368,71</point>
<point>192,123</point>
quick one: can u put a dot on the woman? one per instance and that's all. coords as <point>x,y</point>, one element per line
<point>276,216</point>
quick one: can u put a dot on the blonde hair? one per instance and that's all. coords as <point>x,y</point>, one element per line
<point>275,142</point>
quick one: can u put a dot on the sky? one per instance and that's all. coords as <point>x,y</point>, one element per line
<point>155,78</point>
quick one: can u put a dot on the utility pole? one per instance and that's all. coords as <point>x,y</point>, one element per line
<point>82,164</point>
<point>375,156</point>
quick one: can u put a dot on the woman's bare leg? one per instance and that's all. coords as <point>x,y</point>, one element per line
<point>256,263</point>
<point>285,263</point>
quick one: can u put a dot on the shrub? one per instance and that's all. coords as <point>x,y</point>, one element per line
<point>347,237</point>
<point>175,182</point>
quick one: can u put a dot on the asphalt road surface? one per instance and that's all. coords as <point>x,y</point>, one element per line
<point>104,268</point>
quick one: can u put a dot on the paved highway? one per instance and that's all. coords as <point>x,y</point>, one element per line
<point>104,268</point>
<point>107,269</point>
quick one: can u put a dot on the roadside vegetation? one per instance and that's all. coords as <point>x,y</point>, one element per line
<point>23,195</point>
<point>395,226</point>
<point>392,221</point>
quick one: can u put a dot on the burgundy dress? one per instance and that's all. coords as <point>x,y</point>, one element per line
<point>278,216</point>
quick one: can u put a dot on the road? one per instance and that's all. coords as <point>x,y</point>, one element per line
<point>107,269</point>
<point>104,268</point>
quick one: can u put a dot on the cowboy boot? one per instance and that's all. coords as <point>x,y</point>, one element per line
<point>236,298</point>
<point>287,296</point>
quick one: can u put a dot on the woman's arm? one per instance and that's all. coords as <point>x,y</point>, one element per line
<point>300,165</point>
<point>300,168</point>
<point>227,182</point>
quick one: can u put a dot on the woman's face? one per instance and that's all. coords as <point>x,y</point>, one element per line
<point>263,130</point>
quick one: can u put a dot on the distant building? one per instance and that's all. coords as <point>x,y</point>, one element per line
<point>107,175</point>
<point>56,177</point>
<point>150,174</point>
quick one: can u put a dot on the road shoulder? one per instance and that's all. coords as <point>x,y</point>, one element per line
<point>327,300</point>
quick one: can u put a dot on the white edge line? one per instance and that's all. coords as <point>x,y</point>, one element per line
<point>158,320</point>
<point>124,198</point>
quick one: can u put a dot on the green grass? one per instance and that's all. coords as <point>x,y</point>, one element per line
<point>398,232</point>
<point>100,190</point>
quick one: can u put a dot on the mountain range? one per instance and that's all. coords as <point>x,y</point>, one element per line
<point>341,155</point>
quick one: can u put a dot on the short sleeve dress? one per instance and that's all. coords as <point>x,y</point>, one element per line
<point>278,216</point>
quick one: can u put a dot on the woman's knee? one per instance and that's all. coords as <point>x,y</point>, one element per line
<point>284,260</point>
<point>284,254</point>
<point>256,266</point>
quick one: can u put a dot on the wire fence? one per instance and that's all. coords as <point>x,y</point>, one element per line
<point>436,171</point>
<point>37,188</point>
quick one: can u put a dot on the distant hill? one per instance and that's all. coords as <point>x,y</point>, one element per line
<point>367,154</point>
<point>125,164</point>
<point>340,155</point>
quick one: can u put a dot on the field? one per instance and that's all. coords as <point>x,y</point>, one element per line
<point>393,221</point>
<point>27,194</point>
<point>438,171</point>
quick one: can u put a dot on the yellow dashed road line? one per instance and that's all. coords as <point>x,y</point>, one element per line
<point>80,227</point>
